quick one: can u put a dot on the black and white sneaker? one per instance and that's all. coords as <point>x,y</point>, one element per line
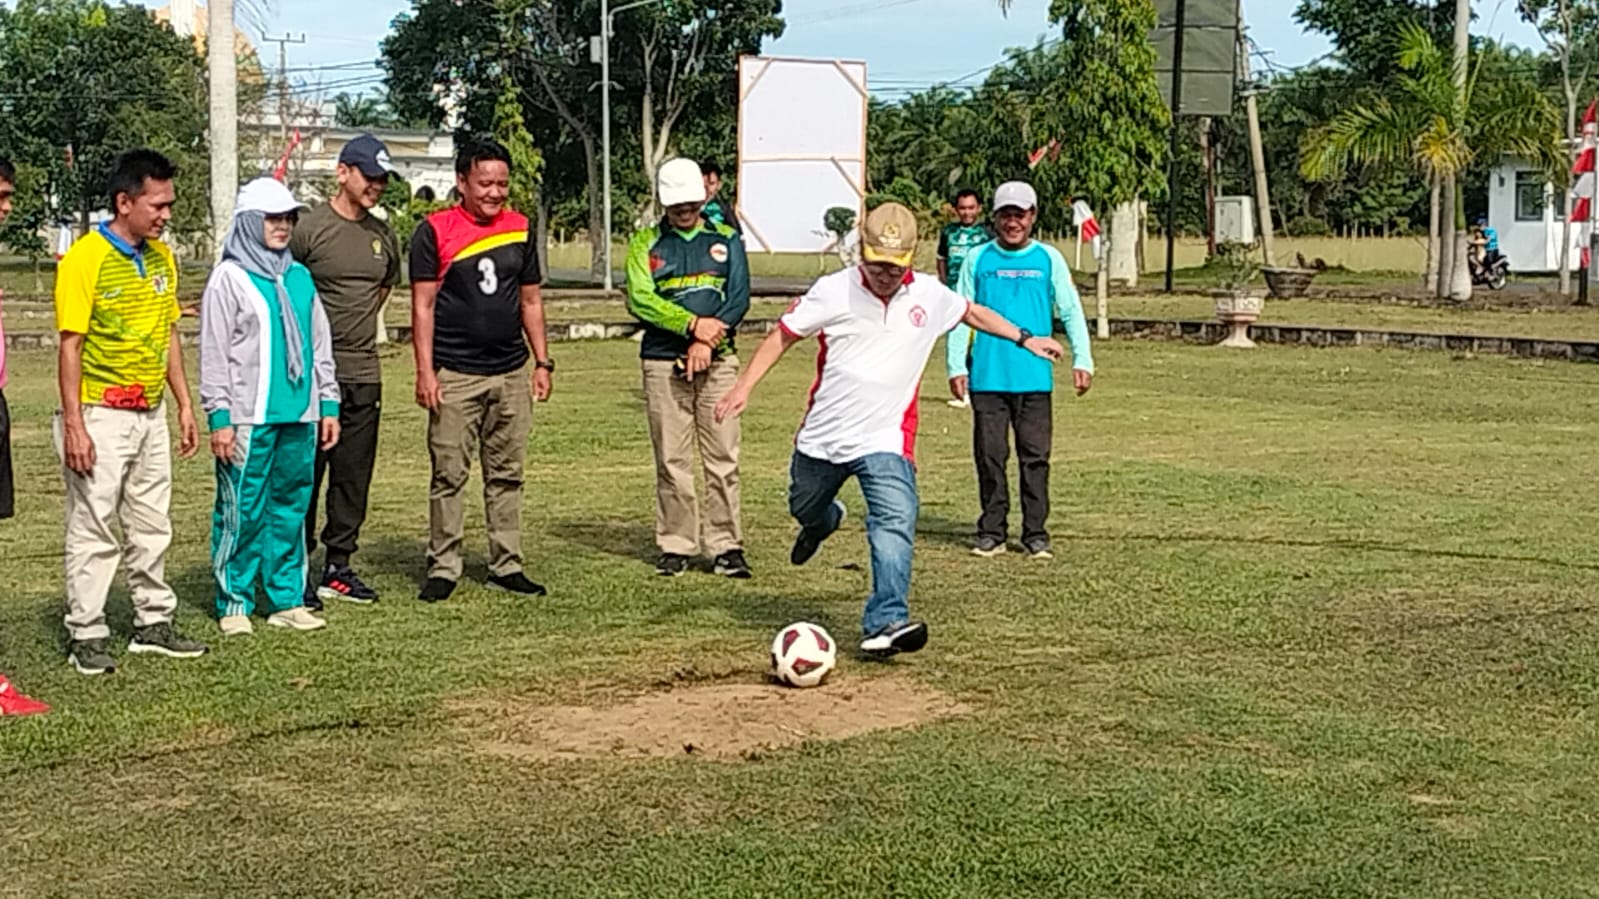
<point>988,547</point>
<point>907,636</point>
<point>91,657</point>
<point>340,582</point>
<point>671,565</point>
<point>164,639</point>
<point>1039,548</point>
<point>805,546</point>
<point>731,564</point>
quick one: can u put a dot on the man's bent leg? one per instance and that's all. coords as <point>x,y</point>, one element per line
<point>888,482</point>
<point>813,484</point>
<point>669,400</point>
<point>507,419</point>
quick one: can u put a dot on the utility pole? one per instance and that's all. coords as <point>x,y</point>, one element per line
<point>283,80</point>
<point>224,119</point>
<point>1257,151</point>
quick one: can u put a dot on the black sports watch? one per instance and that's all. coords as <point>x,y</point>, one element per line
<point>546,364</point>
<point>1021,339</point>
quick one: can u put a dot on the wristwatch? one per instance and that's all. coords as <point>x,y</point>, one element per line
<point>546,364</point>
<point>1021,339</point>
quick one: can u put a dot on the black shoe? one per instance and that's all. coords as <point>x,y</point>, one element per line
<point>731,564</point>
<point>339,582</point>
<point>907,636</point>
<point>671,565</point>
<point>437,589</point>
<point>164,639</point>
<point>805,546</point>
<point>91,657</point>
<point>311,600</point>
<point>516,582</point>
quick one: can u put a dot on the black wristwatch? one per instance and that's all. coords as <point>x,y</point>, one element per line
<point>546,364</point>
<point>1021,340</point>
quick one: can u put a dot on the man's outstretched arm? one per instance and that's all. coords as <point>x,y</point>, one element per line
<point>766,356</point>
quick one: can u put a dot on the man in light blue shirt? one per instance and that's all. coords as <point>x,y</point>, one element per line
<point>1028,283</point>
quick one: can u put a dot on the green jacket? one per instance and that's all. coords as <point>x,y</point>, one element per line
<point>675,276</point>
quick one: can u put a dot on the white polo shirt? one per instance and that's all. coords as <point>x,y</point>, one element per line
<point>870,361</point>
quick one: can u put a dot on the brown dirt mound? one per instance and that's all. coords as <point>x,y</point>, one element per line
<point>723,721</point>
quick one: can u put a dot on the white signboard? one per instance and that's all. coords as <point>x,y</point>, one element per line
<point>801,149</point>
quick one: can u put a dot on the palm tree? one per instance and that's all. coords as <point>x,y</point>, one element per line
<point>1422,121</point>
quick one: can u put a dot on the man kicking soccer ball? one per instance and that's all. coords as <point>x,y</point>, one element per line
<point>876,324</point>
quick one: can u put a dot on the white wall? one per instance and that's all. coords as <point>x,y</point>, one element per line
<point>1531,246</point>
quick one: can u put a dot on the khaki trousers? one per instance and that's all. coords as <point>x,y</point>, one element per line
<point>682,416</point>
<point>131,484</point>
<point>491,414</point>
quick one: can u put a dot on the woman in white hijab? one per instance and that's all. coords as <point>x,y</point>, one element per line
<point>268,389</point>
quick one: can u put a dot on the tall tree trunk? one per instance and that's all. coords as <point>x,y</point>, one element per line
<point>1460,283</point>
<point>1446,236</point>
<point>1207,155</point>
<point>597,235</point>
<point>1434,222</point>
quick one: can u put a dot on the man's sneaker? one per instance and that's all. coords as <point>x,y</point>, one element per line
<point>236,625</point>
<point>516,582</point>
<point>1039,548</point>
<point>805,546</point>
<point>437,589</point>
<point>339,582</point>
<point>988,547</point>
<point>15,704</point>
<point>297,619</point>
<point>311,600</point>
<point>907,636</point>
<point>91,657</point>
<point>671,565</point>
<point>731,564</point>
<point>164,639</point>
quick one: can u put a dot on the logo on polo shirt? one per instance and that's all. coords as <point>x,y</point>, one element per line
<point>719,252</point>
<point>918,316</point>
<point>159,284</point>
<point>377,248</point>
<point>656,263</point>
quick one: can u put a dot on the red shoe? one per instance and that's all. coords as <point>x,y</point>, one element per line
<point>14,703</point>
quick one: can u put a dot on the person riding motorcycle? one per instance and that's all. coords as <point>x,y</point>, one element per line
<point>1484,245</point>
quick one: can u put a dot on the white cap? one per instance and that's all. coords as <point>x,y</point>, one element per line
<point>1015,193</point>
<point>679,181</point>
<point>268,196</point>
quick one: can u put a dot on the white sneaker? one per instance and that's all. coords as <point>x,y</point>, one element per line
<point>297,619</point>
<point>236,625</point>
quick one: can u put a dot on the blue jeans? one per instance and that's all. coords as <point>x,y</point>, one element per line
<point>888,482</point>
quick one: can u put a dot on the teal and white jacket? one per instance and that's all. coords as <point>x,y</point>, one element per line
<point>244,378</point>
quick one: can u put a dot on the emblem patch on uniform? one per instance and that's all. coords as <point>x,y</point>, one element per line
<point>719,252</point>
<point>656,263</point>
<point>159,284</point>
<point>377,248</point>
<point>918,316</point>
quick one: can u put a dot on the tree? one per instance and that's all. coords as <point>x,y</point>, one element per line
<point>1570,29</point>
<point>1365,33</point>
<point>363,111</point>
<point>1420,121</point>
<point>511,132</point>
<point>91,80</point>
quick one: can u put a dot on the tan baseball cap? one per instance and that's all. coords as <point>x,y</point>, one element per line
<point>888,234</point>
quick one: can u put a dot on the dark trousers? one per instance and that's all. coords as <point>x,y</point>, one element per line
<point>994,417</point>
<point>348,472</point>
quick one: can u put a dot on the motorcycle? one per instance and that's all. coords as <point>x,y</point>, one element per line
<point>1493,273</point>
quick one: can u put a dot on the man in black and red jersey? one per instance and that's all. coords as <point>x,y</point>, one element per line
<point>475,308</point>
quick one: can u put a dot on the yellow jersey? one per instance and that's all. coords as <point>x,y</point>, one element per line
<point>124,301</point>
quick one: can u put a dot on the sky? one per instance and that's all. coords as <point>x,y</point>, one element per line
<point>932,40</point>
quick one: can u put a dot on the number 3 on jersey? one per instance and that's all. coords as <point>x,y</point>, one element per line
<point>491,277</point>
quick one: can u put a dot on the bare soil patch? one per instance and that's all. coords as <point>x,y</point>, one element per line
<point>717,721</point>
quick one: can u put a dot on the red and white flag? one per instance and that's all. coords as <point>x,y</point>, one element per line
<point>1584,186</point>
<point>1051,149</point>
<point>281,171</point>
<point>1087,226</point>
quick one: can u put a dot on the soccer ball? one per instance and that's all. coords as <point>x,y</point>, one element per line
<point>803,654</point>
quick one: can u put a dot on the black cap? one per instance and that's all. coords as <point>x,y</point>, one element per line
<point>368,154</point>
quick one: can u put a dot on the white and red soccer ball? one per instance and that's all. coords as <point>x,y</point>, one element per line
<point>803,654</point>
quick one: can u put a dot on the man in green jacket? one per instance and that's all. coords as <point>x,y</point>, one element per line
<point>688,283</point>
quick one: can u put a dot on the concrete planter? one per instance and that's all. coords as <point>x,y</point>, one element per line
<point>1288,283</point>
<point>1237,309</point>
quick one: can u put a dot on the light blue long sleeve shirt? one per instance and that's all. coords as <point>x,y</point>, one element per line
<point>1029,287</point>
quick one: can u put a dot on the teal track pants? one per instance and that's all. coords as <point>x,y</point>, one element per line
<point>258,527</point>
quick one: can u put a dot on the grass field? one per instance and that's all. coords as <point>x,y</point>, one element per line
<point>1322,624</point>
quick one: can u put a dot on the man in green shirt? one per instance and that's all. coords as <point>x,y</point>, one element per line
<point>960,237</point>
<point>714,211</point>
<point>689,283</point>
<point>354,259</point>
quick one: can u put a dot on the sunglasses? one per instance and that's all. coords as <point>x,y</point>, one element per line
<point>286,218</point>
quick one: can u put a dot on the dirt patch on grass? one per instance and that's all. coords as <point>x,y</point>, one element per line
<point>717,721</point>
